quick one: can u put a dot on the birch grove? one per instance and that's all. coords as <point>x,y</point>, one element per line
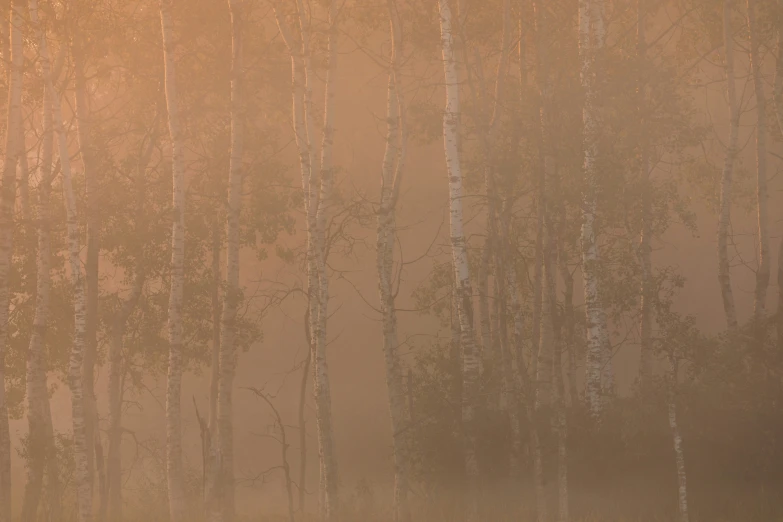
<point>550,340</point>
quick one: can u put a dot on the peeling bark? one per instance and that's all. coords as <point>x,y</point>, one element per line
<point>174,470</point>
<point>763,271</point>
<point>724,223</point>
<point>682,492</point>
<point>42,449</point>
<point>591,41</point>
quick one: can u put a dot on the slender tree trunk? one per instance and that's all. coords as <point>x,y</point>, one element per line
<point>83,486</point>
<point>391,175</point>
<point>24,176</point>
<point>470,362</point>
<point>303,427</point>
<point>216,313</point>
<point>116,361</point>
<point>87,153</point>
<point>53,490</point>
<point>7,198</point>
<point>780,298</point>
<point>777,91</point>
<point>209,436</point>
<point>322,386</point>
<point>562,438</point>
<point>645,238</point>
<point>682,492</point>
<point>568,324</point>
<point>724,223</point>
<point>304,134</point>
<point>510,392</point>
<point>591,39</point>
<point>38,417</point>
<point>763,271</point>
<point>228,328</point>
<point>174,469</point>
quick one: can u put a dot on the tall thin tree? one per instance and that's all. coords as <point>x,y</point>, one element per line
<point>174,469</point>
<point>228,327</point>
<point>13,148</point>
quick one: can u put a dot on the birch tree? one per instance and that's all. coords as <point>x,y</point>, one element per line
<point>591,41</point>
<point>724,221</point>
<point>82,479</point>
<point>13,149</point>
<point>464,293</point>
<point>174,470</point>
<point>645,238</point>
<point>763,271</point>
<point>391,176</point>
<point>87,153</point>
<point>317,203</point>
<point>682,491</point>
<point>228,328</point>
<point>41,433</point>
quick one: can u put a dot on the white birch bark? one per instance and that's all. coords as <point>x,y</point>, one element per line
<point>13,148</point>
<point>763,271</point>
<point>304,133</point>
<point>317,209</point>
<point>724,222</point>
<point>591,38</point>
<point>87,153</point>
<point>82,478</point>
<point>174,470</point>
<point>470,361</point>
<point>682,491</point>
<point>322,387</point>
<point>42,450</point>
<point>391,175</point>
<point>228,327</point>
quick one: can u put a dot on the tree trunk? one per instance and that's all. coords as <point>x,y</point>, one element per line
<point>87,153</point>
<point>174,469</point>
<point>42,449</point>
<point>724,223</point>
<point>228,327</point>
<point>322,386</point>
<point>7,199</point>
<point>562,438</point>
<point>777,91</point>
<point>391,175</point>
<point>645,238</point>
<point>470,362</point>
<point>682,492</point>
<point>214,377</point>
<point>303,427</point>
<point>82,480</point>
<point>591,40</point>
<point>780,298</point>
<point>763,271</point>
<point>568,324</point>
